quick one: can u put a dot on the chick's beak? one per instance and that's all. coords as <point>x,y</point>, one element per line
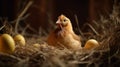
<point>58,23</point>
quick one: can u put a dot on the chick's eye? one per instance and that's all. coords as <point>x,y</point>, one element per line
<point>64,20</point>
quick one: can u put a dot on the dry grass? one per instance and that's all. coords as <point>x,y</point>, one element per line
<point>106,31</point>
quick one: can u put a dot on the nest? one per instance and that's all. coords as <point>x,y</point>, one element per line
<point>106,31</point>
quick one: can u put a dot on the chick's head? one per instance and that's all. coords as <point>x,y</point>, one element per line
<point>62,21</point>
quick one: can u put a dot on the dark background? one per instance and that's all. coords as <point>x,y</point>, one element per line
<point>44,11</point>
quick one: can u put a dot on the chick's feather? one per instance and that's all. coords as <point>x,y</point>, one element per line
<point>63,35</point>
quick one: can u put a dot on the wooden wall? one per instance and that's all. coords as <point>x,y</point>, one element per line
<point>42,11</point>
<point>98,7</point>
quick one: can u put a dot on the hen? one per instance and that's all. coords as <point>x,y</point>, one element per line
<point>63,35</point>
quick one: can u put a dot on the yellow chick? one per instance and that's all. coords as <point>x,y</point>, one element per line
<point>63,35</point>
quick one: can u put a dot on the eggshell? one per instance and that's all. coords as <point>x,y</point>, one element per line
<point>7,44</point>
<point>91,44</point>
<point>20,39</point>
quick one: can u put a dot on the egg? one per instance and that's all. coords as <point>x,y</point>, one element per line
<point>91,44</point>
<point>7,44</point>
<point>36,45</point>
<point>20,39</point>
